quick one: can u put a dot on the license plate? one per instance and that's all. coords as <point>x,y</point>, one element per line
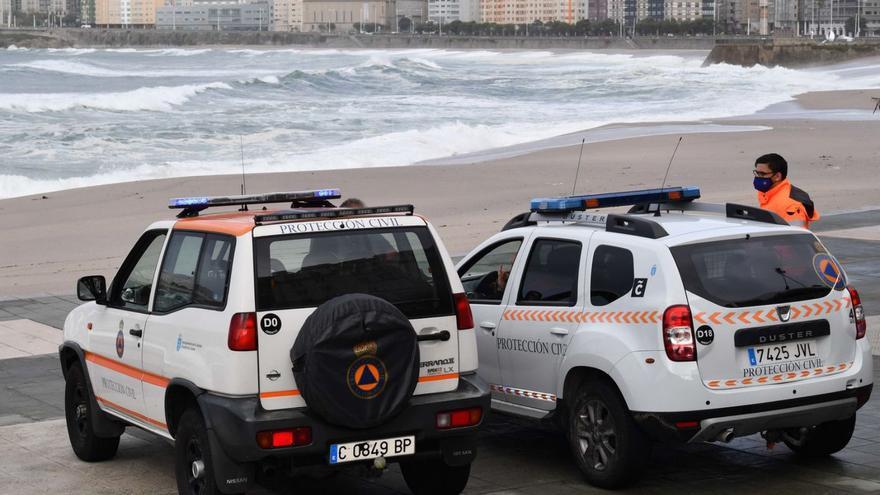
<point>777,353</point>
<point>371,449</point>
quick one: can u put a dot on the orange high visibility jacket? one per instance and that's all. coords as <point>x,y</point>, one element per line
<point>792,204</point>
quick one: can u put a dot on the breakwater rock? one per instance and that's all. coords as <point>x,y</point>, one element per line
<point>790,53</point>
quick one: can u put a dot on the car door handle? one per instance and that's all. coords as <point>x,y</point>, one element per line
<point>137,332</point>
<point>559,331</point>
<point>488,325</point>
<point>442,336</point>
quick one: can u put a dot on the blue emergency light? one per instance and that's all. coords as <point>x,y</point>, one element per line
<point>567,204</point>
<point>192,205</point>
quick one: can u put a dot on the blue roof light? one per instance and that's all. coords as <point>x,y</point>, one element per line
<point>608,200</point>
<point>184,202</point>
<point>192,205</point>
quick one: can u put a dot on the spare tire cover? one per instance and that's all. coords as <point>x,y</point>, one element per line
<point>356,361</point>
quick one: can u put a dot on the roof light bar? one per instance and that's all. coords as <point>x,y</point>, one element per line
<point>283,216</point>
<point>193,205</point>
<point>607,200</point>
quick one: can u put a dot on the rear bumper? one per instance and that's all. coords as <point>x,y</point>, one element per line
<point>699,426</point>
<point>235,422</point>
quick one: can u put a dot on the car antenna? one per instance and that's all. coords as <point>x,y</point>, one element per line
<point>578,171</point>
<point>243,182</point>
<point>665,176</point>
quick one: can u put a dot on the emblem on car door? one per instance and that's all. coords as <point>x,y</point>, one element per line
<point>784,313</point>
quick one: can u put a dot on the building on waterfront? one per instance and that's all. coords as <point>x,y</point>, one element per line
<point>446,11</point>
<point>597,10</point>
<point>214,16</point>
<point>529,11</point>
<point>416,11</point>
<point>287,15</point>
<point>126,13</point>
<point>343,16</point>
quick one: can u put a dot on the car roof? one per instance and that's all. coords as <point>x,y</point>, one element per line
<point>234,223</point>
<point>681,227</point>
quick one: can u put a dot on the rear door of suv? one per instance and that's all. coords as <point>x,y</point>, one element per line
<point>301,265</point>
<point>766,309</point>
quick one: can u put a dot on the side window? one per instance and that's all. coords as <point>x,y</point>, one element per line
<point>195,271</point>
<point>134,282</point>
<point>611,275</point>
<point>551,275</point>
<point>485,277</point>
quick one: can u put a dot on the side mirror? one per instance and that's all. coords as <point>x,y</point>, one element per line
<point>92,288</point>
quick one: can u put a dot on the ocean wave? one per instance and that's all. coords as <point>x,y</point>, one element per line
<point>90,70</point>
<point>155,99</point>
<point>72,51</point>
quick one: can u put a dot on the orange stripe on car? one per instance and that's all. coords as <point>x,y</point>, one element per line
<point>128,412</point>
<point>131,371</point>
<point>279,393</point>
<point>437,378</point>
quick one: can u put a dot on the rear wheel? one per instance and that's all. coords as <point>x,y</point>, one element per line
<point>435,477</point>
<point>822,440</point>
<point>192,456</point>
<point>78,413</point>
<point>607,445</point>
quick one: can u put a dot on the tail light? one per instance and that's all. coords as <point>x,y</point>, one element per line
<point>858,313</point>
<point>463,315</point>
<point>243,332</point>
<point>276,439</point>
<point>678,334</point>
<point>459,418</point>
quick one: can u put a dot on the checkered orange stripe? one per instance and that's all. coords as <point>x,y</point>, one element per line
<point>779,378</point>
<point>770,316</point>
<point>519,392</point>
<point>574,316</point>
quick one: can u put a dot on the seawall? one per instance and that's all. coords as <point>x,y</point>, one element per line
<point>114,38</point>
<point>790,53</point>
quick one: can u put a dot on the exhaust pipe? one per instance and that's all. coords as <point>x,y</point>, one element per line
<point>725,436</point>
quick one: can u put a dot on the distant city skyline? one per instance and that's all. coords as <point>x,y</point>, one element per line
<point>785,17</point>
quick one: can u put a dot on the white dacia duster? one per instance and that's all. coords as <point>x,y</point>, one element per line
<point>263,341</point>
<point>678,321</point>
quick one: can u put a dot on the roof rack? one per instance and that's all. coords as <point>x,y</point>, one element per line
<point>314,198</point>
<point>315,214</point>
<point>620,224</point>
<point>730,210</point>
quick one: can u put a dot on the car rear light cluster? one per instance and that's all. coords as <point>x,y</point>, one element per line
<point>459,418</point>
<point>243,332</point>
<point>276,439</point>
<point>678,333</point>
<point>463,315</point>
<point>858,313</point>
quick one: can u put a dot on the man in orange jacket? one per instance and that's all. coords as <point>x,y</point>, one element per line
<point>775,192</point>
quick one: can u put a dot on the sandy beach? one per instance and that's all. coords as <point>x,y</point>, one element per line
<point>52,239</point>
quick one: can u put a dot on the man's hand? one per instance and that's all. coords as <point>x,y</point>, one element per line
<point>503,275</point>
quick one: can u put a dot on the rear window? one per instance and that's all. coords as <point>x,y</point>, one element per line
<point>753,271</point>
<point>400,265</point>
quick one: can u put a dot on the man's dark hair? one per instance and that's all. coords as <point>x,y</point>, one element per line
<point>352,203</point>
<point>775,162</point>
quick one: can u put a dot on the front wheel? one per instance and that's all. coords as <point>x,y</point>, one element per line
<point>435,477</point>
<point>192,457</point>
<point>608,447</point>
<point>78,413</point>
<point>822,440</point>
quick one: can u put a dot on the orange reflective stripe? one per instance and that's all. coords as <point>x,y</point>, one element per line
<point>136,373</point>
<point>131,413</point>
<point>279,393</point>
<point>437,378</point>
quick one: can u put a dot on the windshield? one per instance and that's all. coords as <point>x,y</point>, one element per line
<point>754,271</point>
<point>400,265</point>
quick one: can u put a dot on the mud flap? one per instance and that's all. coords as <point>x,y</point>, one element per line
<point>231,476</point>
<point>459,451</point>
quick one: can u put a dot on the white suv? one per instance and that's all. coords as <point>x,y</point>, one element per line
<point>264,341</point>
<point>678,321</point>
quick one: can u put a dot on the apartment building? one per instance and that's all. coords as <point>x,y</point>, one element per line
<point>417,10</point>
<point>287,15</point>
<point>215,16</point>
<point>126,13</point>
<point>342,16</point>
<point>529,11</point>
<point>446,11</point>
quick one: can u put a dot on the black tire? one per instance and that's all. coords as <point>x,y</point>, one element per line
<point>608,447</point>
<point>78,413</point>
<point>435,477</point>
<point>191,446</point>
<point>824,439</point>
